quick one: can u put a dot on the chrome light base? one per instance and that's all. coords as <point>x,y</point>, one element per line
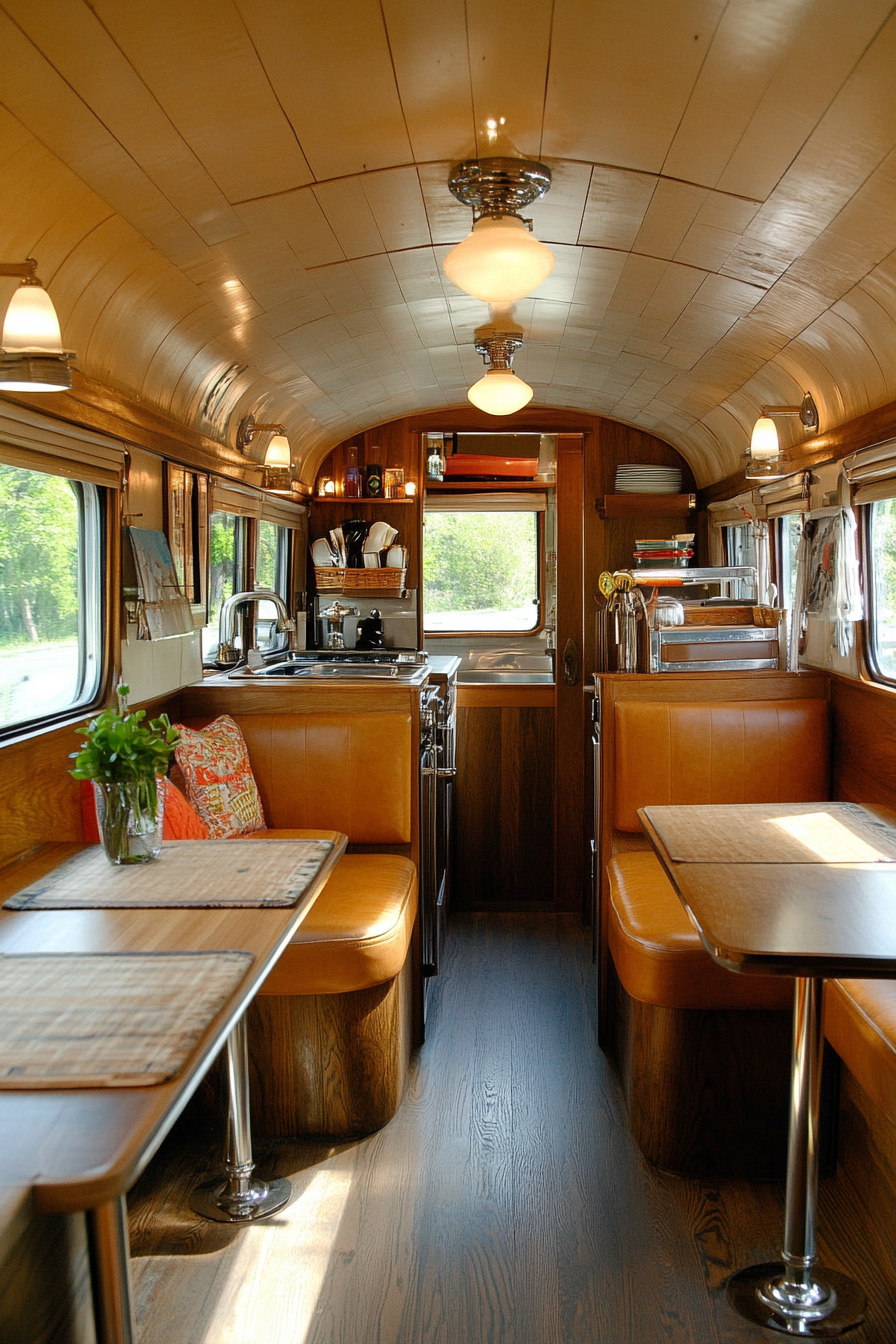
<point>499,186</point>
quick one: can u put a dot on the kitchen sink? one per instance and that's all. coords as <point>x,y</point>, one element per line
<point>410,674</point>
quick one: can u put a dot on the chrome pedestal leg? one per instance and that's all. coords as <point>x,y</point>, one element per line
<point>110,1272</point>
<point>237,1198</point>
<point>792,1296</point>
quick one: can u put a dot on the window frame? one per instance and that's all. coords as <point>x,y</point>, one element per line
<point>869,651</point>
<point>540,585</point>
<point>96,518</point>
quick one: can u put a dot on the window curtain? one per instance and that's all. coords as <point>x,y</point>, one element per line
<point>499,501</point>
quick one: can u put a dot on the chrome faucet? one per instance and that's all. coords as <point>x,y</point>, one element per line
<point>226,652</point>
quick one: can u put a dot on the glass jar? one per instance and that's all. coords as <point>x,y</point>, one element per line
<point>351,486</point>
<point>373,480</point>
<point>393,482</point>
<point>130,820</point>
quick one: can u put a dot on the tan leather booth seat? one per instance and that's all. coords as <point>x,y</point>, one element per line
<point>658,954</point>
<point>357,933</point>
<point>338,772</point>
<point>860,1023</point>
<point>757,751</point>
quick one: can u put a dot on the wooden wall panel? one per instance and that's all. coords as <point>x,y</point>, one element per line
<point>863,742</point>
<point>504,815</point>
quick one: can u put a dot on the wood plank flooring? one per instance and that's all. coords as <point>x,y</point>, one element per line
<point>505,1204</point>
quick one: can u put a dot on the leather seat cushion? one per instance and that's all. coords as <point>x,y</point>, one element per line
<point>860,1023</point>
<point>658,954</point>
<point>357,933</point>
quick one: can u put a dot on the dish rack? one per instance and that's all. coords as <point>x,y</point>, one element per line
<point>331,579</point>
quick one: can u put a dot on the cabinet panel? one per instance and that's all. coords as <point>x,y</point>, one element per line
<point>504,808</point>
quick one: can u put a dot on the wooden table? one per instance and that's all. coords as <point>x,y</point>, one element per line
<point>82,1149</point>
<point>815,921</point>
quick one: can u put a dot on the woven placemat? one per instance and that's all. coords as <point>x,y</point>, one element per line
<point>205,873</point>
<point>107,1019</point>
<point>774,833</point>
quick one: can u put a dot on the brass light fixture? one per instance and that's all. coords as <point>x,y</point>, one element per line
<point>277,458</point>
<point>501,260</point>
<point>765,461</point>
<point>31,355</point>
<point>500,392</point>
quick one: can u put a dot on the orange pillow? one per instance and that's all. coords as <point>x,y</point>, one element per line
<point>219,779</point>
<point>180,821</point>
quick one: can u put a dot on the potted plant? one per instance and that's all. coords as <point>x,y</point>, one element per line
<point>123,757</point>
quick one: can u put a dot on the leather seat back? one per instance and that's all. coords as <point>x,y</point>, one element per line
<point>754,751</point>
<point>337,772</point>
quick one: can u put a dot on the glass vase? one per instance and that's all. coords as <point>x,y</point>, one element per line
<point>130,820</point>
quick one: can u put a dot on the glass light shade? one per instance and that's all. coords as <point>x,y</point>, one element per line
<point>500,392</point>
<point>764,443</point>
<point>31,325</point>
<point>277,454</point>
<point>500,262</point>
<point>38,373</point>
<point>410,489</point>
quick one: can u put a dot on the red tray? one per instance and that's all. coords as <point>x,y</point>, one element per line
<point>478,465</point>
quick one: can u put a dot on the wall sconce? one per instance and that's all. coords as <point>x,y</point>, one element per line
<point>31,355</point>
<point>765,461</point>
<point>410,489</point>
<point>500,392</point>
<point>277,459</point>
<point>501,261</point>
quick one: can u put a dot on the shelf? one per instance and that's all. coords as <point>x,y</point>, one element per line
<point>656,506</point>
<point>366,499</point>
<point>511,486</point>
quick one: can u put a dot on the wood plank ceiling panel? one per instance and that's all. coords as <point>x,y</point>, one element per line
<point>509,44</point>
<point>331,71</point>
<point>432,69</point>
<point>71,37</point>
<point>199,62</point>
<point>646,59</point>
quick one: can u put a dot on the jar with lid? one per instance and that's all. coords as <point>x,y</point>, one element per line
<point>351,486</point>
<point>435,460</point>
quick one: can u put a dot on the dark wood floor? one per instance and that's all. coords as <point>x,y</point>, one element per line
<point>505,1203</point>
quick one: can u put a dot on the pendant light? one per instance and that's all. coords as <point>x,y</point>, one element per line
<point>31,355</point>
<point>501,260</point>
<point>500,392</point>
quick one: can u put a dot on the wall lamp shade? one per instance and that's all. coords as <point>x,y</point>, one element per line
<point>277,454</point>
<point>31,355</point>
<point>764,441</point>
<point>500,392</point>
<point>500,261</point>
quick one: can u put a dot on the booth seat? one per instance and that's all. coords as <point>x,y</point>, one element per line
<point>703,1053</point>
<point>331,1030</point>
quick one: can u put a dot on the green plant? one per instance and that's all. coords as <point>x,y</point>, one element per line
<point>121,749</point>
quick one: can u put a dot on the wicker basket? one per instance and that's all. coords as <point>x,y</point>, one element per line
<point>764,616</point>
<point>333,580</point>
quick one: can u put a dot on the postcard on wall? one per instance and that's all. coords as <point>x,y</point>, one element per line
<point>166,610</point>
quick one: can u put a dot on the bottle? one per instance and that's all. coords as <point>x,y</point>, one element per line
<point>373,479</point>
<point>435,462</point>
<point>351,487</point>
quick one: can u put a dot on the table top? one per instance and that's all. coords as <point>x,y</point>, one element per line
<point>813,919</point>
<point>80,1148</point>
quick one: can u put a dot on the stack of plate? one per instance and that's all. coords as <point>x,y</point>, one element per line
<point>633,478</point>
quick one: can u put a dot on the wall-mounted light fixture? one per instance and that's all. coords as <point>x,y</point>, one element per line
<point>31,355</point>
<point>500,392</point>
<point>277,458</point>
<point>501,261</point>
<point>765,461</point>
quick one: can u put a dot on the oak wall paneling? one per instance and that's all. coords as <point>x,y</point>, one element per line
<point>504,812</point>
<point>863,741</point>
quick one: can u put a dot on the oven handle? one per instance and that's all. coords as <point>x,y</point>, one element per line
<point>445,772</point>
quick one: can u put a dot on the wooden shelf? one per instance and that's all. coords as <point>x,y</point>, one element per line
<point>629,506</point>
<point>365,499</point>
<point>511,486</point>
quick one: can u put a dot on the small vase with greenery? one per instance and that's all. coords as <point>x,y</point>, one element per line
<point>123,757</point>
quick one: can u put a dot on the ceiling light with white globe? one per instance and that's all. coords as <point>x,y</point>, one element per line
<point>500,261</point>
<point>500,392</point>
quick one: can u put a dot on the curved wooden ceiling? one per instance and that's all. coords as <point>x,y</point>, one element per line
<point>241,204</point>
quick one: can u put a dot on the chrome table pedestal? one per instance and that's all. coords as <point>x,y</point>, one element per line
<point>237,1198</point>
<point>792,1296</point>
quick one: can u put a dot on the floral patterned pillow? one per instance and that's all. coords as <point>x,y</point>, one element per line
<point>219,779</point>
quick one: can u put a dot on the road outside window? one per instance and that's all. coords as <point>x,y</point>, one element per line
<point>480,572</point>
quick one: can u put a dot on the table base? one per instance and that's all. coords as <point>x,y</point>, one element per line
<point>837,1306</point>
<point>216,1199</point>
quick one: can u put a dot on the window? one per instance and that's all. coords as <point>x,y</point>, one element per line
<point>740,545</point>
<point>51,554</point>
<point>271,571</point>
<point>881,553</point>
<point>226,548</point>
<point>790,530</point>
<point>481,568</point>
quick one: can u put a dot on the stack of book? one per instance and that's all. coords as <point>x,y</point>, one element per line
<point>664,552</point>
